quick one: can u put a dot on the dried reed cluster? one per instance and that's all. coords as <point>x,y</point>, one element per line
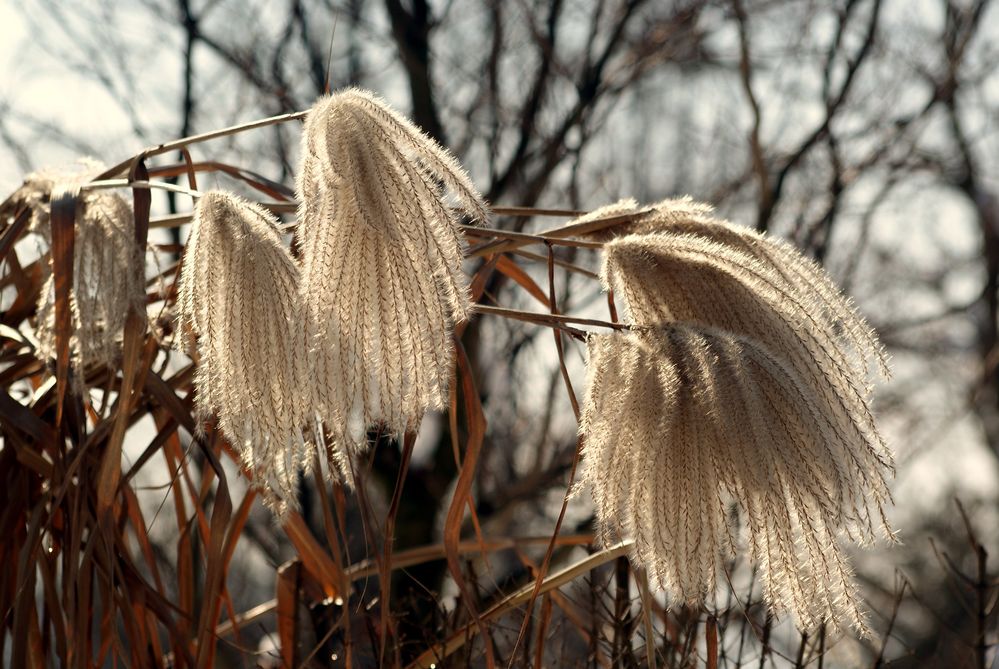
<point>239,297</point>
<point>744,385</point>
<point>382,284</point>
<point>356,335</point>
<point>106,264</point>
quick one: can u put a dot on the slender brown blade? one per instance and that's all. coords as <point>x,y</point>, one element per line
<point>512,270</point>
<point>476,421</point>
<point>289,576</point>
<point>65,201</point>
<point>315,559</point>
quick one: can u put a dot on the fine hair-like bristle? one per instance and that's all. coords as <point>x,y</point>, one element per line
<point>683,422</point>
<point>382,282</point>
<point>239,305</point>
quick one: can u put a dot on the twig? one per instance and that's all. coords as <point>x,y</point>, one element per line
<point>551,320</point>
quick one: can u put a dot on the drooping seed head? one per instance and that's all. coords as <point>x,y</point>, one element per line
<point>239,306</point>
<point>107,279</point>
<point>684,421</point>
<point>681,277</point>
<point>381,262</point>
<point>796,273</point>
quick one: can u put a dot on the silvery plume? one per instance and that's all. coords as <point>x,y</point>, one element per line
<point>106,265</point>
<point>686,277</point>
<point>238,307</point>
<point>747,378</point>
<point>687,423</point>
<point>382,284</point>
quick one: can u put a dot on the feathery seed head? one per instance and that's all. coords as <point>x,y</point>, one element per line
<point>796,274</point>
<point>771,293</point>
<point>381,280</point>
<point>239,298</point>
<point>105,286</point>
<point>746,383</point>
<point>684,421</point>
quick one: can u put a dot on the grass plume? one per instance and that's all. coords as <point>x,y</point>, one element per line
<point>239,298</point>
<point>106,262</point>
<point>382,281</point>
<point>744,384</point>
<point>686,422</point>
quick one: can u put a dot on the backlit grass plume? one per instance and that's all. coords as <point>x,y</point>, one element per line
<point>801,276</point>
<point>239,299</point>
<point>685,423</point>
<point>684,277</point>
<point>381,262</point>
<point>746,382</point>
<point>104,287</point>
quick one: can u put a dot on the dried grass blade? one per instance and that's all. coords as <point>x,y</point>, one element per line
<point>529,212</point>
<point>109,474</point>
<point>256,181</point>
<point>288,582</point>
<point>512,270</point>
<point>17,416</point>
<point>642,579</point>
<point>575,458</point>
<point>135,328</point>
<point>215,559</point>
<point>414,556</point>
<point>550,320</point>
<point>476,421</point>
<point>546,618</point>
<point>315,560</point>
<point>161,391</point>
<point>572,267</point>
<point>385,570</point>
<point>711,641</point>
<point>24,615</point>
<point>13,232</point>
<point>134,512</point>
<point>183,142</point>
<point>232,539</point>
<point>63,220</point>
<point>54,611</point>
<point>477,285</point>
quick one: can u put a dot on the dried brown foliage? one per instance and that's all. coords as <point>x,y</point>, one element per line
<point>80,534</point>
